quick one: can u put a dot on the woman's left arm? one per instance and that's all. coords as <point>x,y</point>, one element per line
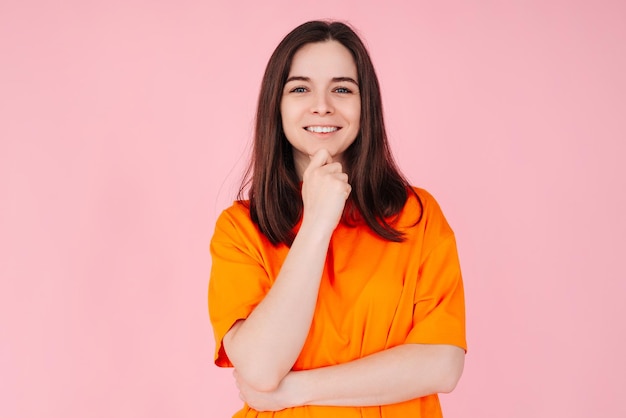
<point>394,375</point>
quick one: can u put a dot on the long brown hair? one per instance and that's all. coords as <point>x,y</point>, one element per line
<point>379,190</point>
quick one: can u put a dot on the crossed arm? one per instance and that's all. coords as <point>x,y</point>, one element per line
<point>264,347</point>
<point>394,375</point>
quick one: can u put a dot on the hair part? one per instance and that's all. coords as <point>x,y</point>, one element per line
<point>379,190</point>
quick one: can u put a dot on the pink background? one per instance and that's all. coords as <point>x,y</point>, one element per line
<point>124,126</point>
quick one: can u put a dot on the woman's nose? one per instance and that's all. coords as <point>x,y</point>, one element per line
<point>322,104</point>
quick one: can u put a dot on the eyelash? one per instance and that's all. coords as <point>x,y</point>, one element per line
<point>345,90</point>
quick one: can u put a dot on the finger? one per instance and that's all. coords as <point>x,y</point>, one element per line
<point>341,176</point>
<point>320,158</point>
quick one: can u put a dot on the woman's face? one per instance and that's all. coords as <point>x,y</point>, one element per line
<point>321,105</point>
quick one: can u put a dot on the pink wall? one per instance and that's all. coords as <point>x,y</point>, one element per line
<point>122,129</point>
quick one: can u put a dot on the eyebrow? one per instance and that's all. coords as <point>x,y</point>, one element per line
<point>334,79</point>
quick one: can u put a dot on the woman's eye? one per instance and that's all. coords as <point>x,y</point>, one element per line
<point>343,90</point>
<point>298,90</point>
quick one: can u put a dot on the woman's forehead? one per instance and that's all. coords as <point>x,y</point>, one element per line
<point>323,60</point>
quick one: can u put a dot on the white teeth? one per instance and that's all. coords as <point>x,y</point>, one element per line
<point>321,129</point>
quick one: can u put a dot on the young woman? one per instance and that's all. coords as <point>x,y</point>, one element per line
<point>335,288</point>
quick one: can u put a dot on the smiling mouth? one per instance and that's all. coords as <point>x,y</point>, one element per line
<point>322,129</point>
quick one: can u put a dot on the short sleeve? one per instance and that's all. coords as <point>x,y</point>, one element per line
<point>439,303</point>
<point>238,280</point>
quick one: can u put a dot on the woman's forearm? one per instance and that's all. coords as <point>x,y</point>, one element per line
<point>264,347</point>
<point>395,375</point>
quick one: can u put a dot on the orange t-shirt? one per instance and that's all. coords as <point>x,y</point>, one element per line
<point>374,294</point>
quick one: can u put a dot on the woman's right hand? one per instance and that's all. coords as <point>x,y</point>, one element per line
<point>325,189</point>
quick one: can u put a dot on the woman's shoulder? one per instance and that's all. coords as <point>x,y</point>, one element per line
<point>423,205</point>
<point>421,199</point>
<point>239,209</point>
<point>235,218</point>
<point>423,194</point>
